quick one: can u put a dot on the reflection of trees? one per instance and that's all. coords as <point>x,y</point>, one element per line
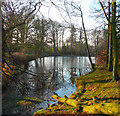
<point>42,81</point>
<point>73,74</point>
<point>36,63</point>
<point>54,79</point>
<point>80,71</point>
<point>35,85</point>
<point>51,75</point>
<point>62,70</point>
<point>62,75</point>
<point>72,71</point>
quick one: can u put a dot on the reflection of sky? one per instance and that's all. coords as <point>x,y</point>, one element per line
<point>63,63</point>
<point>66,90</point>
<point>63,67</point>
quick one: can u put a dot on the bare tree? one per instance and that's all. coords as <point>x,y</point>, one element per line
<point>11,18</point>
<point>86,40</point>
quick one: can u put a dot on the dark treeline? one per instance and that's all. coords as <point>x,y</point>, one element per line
<point>43,36</point>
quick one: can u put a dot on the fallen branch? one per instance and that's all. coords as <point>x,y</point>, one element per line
<point>96,108</point>
<point>71,102</point>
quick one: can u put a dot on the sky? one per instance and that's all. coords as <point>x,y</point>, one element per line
<point>49,11</point>
<point>85,4</point>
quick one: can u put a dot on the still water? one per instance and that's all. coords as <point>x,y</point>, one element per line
<point>47,76</point>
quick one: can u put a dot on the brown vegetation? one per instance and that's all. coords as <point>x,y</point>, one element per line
<point>21,58</point>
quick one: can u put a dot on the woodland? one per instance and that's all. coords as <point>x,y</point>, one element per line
<point>27,34</point>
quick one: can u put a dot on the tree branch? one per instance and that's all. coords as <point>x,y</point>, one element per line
<point>104,11</point>
<point>7,30</point>
<point>7,64</point>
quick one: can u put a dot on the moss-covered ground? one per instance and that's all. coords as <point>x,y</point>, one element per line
<point>98,83</point>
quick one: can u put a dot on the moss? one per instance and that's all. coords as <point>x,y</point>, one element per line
<point>72,96</point>
<point>33,99</point>
<point>98,83</point>
<point>23,102</point>
<point>103,108</point>
<point>29,101</point>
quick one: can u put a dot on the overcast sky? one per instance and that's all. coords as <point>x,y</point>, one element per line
<point>86,5</point>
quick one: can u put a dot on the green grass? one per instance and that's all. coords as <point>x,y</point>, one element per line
<point>100,84</point>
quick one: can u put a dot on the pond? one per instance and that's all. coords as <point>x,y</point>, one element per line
<point>47,76</point>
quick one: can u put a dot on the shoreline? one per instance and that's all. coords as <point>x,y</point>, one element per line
<point>89,87</point>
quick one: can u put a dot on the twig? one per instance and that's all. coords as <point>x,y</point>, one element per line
<point>7,30</point>
<point>104,12</point>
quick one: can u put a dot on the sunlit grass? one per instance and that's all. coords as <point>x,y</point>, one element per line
<point>100,84</point>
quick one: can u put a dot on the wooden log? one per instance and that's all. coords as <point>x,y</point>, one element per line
<point>96,108</point>
<point>68,101</point>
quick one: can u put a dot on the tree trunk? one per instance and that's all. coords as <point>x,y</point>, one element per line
<point>62,36</point>
<point>3,40</point>
<point>89,56</point>
<point>110,62</point>
<point>54,45</point>
<point>109,47</point>
<point>115,40</point>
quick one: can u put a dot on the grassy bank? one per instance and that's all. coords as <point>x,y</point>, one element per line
<point>99,84</point>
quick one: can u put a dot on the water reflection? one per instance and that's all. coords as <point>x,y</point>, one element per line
<point>55,74</point>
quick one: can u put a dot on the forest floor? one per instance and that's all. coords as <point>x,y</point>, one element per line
<point>98,83</point>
